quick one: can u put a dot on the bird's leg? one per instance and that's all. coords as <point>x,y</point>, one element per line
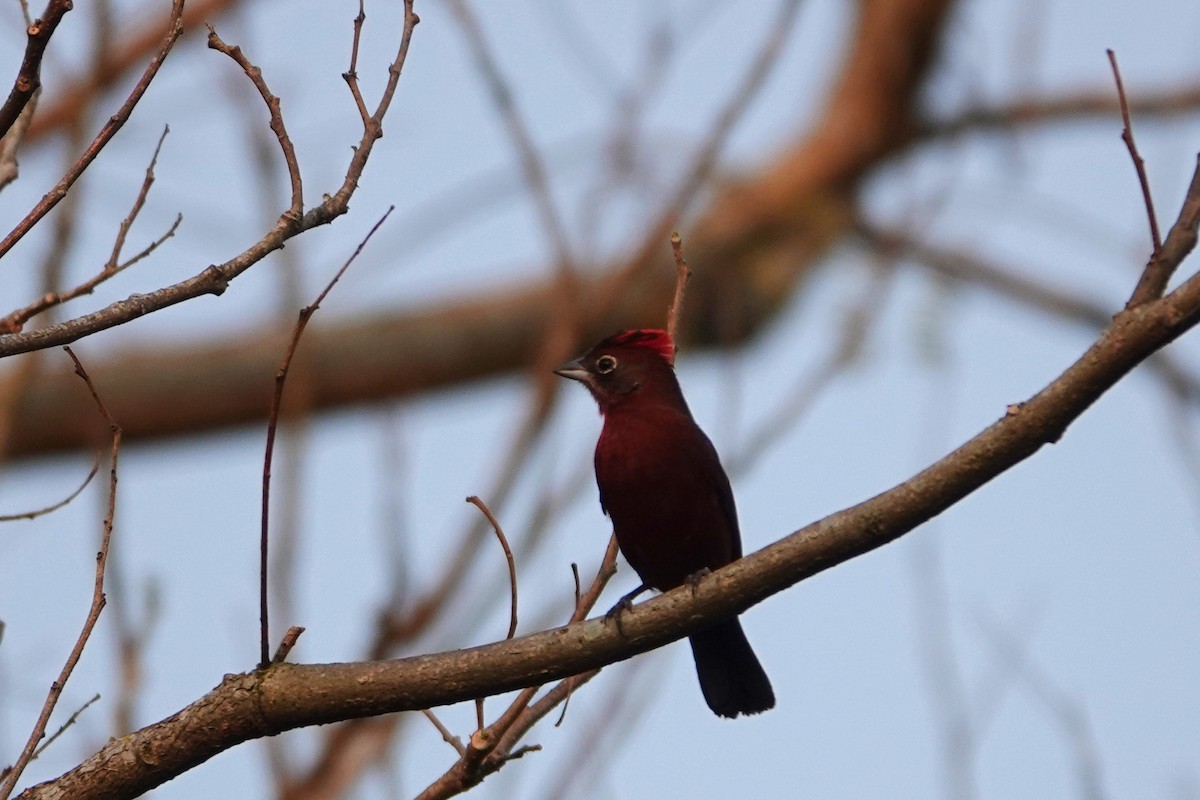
<point>623,605</point>
<point>694,579</point>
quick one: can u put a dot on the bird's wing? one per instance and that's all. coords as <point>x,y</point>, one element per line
<point>724,492</point>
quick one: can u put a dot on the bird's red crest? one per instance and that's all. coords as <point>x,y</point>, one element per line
<point>654,340</point>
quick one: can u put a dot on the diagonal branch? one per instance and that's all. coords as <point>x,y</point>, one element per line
<point>29,79</point>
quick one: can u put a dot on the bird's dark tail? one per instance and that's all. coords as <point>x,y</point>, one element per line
<point>731,678</point>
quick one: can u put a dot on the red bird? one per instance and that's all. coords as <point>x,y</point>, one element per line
<point>672,510</point>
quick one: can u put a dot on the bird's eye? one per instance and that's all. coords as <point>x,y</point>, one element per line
<point>605,364</point>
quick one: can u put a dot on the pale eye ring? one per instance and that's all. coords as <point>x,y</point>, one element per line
<point>605,364</point>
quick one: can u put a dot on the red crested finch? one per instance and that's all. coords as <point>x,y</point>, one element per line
<point>671,506</point>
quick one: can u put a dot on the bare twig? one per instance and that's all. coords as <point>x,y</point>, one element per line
<point>1139,163</point>
<point>448,737</point>
<point>54,736</point>
<point>281,374</point>
<point>43,511</point>
<point>682,273</point>
<point>351,75</point>
<point>296,210</point>
<point>624,705</point>
<point>1180,241</point>
<point>111,126</point>
<point>98,600</point>
<point>147,182</point>
<point>575,575</point>
<point>508,555</point>
<point>62,728</point>
<point>286,644</point>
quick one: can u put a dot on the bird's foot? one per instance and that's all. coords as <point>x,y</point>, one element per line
<point>694,579</point>
<point>623,605</point>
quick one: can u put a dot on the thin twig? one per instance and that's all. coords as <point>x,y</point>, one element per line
<point>448,737</point>
<point>98,599</point>
<point>682,274</point>
<point>508,555</point>
<point>512,583</point>
<point>111,126</point>
<point>621,709</point>
<point>351,75</point>
<point>295,211</point>
<point>51,739</point>
<point>62,728</point>
<point>1180,241</point>
<point>1139,163</point>
<point>570,682</point>
<point>43,511</point>
<point>478,738</point>
<point>139,35</point>
<point>147,182</point>
<point>575,575</point>
<point>286,644</point>
<point>281,374</point>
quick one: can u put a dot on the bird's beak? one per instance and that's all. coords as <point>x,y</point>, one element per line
<point>573,370</point>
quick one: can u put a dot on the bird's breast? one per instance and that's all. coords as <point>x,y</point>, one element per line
<point>657,485</point>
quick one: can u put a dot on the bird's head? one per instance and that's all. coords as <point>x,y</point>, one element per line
<point>628,365</point>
